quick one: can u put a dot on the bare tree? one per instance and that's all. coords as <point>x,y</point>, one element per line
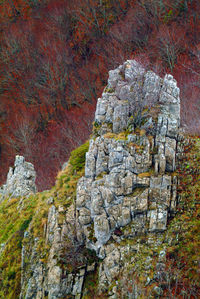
<point>170,43</point>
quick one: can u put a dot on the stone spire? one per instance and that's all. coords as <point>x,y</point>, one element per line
<point>131,158</point>
<point>20,179</point>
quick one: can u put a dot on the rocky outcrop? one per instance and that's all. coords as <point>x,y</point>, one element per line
<point>20,179</point>
<point>123,202</point>
<point>129,166</point>
<point>58,266</point>
<point>39,278</point>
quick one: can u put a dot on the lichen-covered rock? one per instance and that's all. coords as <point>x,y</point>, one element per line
<point>128,165</point>
<point>124,200</point>
<point>20,179</point>
<point>47,278</point>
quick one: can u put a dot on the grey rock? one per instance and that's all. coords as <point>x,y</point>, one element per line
<point>129,184</point>
<point>90,166</point>
<point>120,117</point>
<point>170,153</point>
<point>151,89</point>
<point>40,278</point>
<point>84,216</point>
<point>102,229</point>
<point>114,77</point>
<point>158,220</point>
<point>133,71</point>
<point>65,164</point>
<point>20,179</point>
<point>121,163</point>
<point>127,190</point>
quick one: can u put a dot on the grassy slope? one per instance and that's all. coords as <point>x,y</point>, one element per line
<point>185,227</point>
<point>16,214</point>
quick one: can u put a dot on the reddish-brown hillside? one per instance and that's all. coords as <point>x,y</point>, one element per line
<point>55,55</point>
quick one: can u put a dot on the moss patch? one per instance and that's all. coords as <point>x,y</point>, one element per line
<point>77,157</point>
<point>146,174</point>
<point>109,89</point>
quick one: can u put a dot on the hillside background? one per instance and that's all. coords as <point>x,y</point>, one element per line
<point>54,61</point>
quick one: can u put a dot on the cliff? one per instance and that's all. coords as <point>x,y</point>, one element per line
<point>118,221</point>
<point>20,180</point>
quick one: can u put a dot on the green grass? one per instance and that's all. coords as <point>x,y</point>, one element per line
<point>14,220</point>
<point>17,214</point>
<point>187,221</point>
<point>77,157</point>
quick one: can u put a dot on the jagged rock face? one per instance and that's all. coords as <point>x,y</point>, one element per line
<point>48,280</point>
<point>129,190</point>
<point>20,179</point>
<point>128,177</point>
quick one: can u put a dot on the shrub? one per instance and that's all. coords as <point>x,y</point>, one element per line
<point>77,158</point>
